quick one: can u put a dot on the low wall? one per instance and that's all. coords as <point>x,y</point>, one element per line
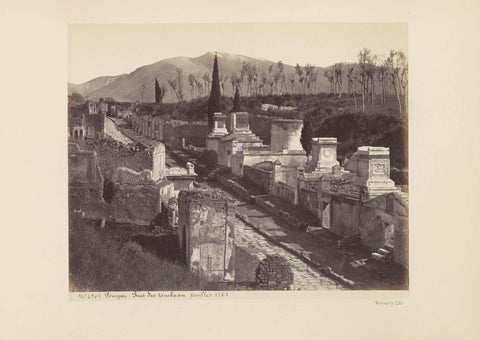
<point>259,177</point>
<point>345,214</point>
<point>284,191</point>
<point>233,186</point>
<point>240,160</point>
<point>285,216</point>
<point>308,199</point>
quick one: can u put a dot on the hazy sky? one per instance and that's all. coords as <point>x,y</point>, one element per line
<point>107,50</point>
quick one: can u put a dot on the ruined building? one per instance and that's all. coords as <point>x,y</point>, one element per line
<point>359,199</point>
<point>206,233</point>
<point>140,196</point>
<point>87,124</point>
<point>85,183</point>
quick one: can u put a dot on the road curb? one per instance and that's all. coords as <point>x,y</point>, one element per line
<point>327,271</point>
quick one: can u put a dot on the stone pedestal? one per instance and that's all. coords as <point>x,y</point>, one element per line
<point>373,170</point>
<point>158,169</point>
<point>219,130</point>
<point>238,122</point>
<point>324,154</point>
<point>285,134</point>
<point>206,234</point>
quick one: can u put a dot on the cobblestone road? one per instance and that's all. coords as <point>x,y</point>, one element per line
<point>252,247</point>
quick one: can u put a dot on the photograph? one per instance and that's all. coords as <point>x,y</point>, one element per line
<point>238,157</point>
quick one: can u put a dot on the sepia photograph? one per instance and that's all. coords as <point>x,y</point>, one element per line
<point>201,159</point>
<point>239,170</point>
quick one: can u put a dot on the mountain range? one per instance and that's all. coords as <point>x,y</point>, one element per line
<point>139,84</point>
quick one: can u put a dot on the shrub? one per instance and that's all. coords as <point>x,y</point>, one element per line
<point>208,157</point>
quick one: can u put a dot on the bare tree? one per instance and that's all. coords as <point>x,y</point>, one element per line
<point>193,84</point>
<point>251,77</point>
<point>263,81</point>
<point>404,81</point>
<point>331,79</point>
<point>223,79</point>
<point>174,85</point>
<point>243,74</point>
<point>308,76</point>
<point>382,75</point>
<point>199,87</point>
<point>364,60</point>
<point>338,74</point>
<point>292,78</point>
<point>301,77</point>
<point>399,75</point>
<point>206,82</point>
<point>142,92</point>
<point>179,81</point>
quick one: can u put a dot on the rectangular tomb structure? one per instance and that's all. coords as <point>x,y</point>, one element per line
<point>206,234</point>
<point>373,170</point>
<point>324,154</point>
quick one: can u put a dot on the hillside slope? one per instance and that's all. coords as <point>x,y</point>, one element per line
<point>129,87</point>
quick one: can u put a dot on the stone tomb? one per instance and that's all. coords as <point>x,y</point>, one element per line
<point>219,130</point>
<point>285,135</point>
<point>206,234</point>
<point>372,167</point>
<point>239,122</point>
<point>324,155</point>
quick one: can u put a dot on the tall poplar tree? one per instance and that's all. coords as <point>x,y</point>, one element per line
<point>236,101</point>
<point>214,102</point>
<point>307,135</point>
<point>157,92</point>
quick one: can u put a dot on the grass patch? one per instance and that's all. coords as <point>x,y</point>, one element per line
<point>100,262</point>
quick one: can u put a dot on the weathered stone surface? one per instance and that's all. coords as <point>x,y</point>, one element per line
<point>85,183</point>
<point>207,234</point>
<point>285,134</point>
<point>158,168</point>
<point>324,155</point>
<point>274,273</point>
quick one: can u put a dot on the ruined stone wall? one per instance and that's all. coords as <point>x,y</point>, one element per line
<point>206,234</point>
<point>259,177</point>
<point>85,183</point>
<point>308,199</point>
<point>345,214</point>
<point>137,198</point>
<point>95,125</point>
<point>225,149</point>
<point>238,161</point>
<point>380,214</point>
<point>285,192</point>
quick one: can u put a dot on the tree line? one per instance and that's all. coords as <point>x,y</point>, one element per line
<point>369,80</point>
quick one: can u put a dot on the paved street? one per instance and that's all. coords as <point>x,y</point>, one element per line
<point>251,248</point>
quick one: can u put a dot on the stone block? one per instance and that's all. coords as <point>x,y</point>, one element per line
<point>206,233</point>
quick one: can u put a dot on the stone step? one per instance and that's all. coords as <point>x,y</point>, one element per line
<point>378,257</point>
<point>389,248</point>
<point>384,251</point>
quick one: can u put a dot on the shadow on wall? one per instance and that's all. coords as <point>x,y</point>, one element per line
<point>245,265</point>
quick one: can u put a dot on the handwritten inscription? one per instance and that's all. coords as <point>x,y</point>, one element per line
<point>149,295</point>
<point>390,303</point>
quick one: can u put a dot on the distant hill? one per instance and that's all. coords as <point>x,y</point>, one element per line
<point>90,87</point>
<point>128,87</point>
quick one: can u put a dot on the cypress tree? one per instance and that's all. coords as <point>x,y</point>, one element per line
<point>157,92</point>
<point>307,135</point>
<point>214,102</point>
<point>236,101</point>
